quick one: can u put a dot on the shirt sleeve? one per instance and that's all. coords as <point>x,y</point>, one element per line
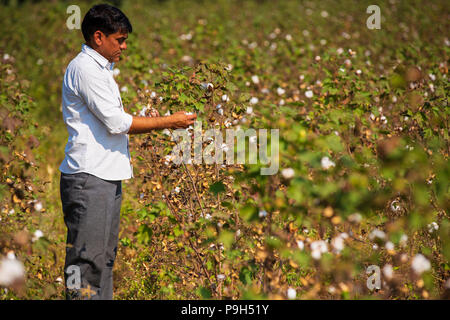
<point>95,89</point>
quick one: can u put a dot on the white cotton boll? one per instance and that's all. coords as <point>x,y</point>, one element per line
<point>403,240</point>
<point>280,91</point>
<point>124,89</point>
<point>376,233</point>
<point>355,217</point>
<point>10,255</point>
<point>38,206</point>
<point>208,216</point>
<point>254,100</point>
<point>37,235</point>
<point>317,58</point>
<point>432,227</point>
<point>326,163</point>
<point>224,147</point>
<point>372,117</point>
<point>220,111</point>
<point>281,102</point>
<point>116,72</point>
<point>420,264</point>
<point>389,246</point>
<point>309,94</point>
<point>291,293</point>
<point>265,91</point>
<point>432,77</point>
<point>338,244</point>
<point>153,95</point>
<point>288,173</point>
<point>220,277</point>
<point>249,110</point>
<point>40,62</point>
<point>388,271</point>
<point>358,72</point>
<point>340,51</point>
<point>262,213</point>
<point>288,37</point>
<point>11,270</point>
<point>238,233</point>
<point>320,246</point>
<point>324,14</point>
<point>344,235</point>
<point>348,62</point>
<point>6,56</point>
<point>255,79</point>
<point>323,42</point>
<point>177,190</point>
<point>225,98</point>
<point>143,111</point>
<point>300,244</point>
<point>395,206</point>
<point>315,254</point>
<point>375,247</point>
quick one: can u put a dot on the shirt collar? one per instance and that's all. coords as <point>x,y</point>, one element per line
<point>101,60</point>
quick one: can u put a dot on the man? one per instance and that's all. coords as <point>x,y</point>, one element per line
<point>97,155</point>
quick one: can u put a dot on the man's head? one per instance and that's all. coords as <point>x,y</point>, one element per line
<point>105,29</point>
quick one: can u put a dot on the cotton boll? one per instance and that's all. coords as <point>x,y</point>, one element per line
<point>420,264</point>
<point>11,270</point>
<point>388,271</point>
<point>326,163</point>
<point>291,293</point>
<point>280,91</point>
<point>376,233</point>
<point>37,235</point>
<point>309,94</point>
<point>288,173</point>
<point>254,100</point>
<point>255,79</point>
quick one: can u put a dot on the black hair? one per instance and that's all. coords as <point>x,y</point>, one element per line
<point>107,19</point>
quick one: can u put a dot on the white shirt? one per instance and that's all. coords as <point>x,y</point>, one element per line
<point>95,119</point>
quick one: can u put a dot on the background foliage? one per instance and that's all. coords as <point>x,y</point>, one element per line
<point>364,145</point>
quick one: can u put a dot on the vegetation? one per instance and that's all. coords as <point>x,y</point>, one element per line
<point>363,123</point>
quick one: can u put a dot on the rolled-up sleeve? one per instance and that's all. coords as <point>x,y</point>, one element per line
<point>95,89</point>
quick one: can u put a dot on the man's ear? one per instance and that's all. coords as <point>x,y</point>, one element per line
<point>98,37</point>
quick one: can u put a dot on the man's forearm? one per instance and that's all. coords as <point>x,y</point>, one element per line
<point>179,119</point>
<point>147,124</point>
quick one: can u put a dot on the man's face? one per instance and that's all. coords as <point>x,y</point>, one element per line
<point>111,46</point>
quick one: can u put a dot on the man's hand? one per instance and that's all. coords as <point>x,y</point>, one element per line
<point>182,120</point>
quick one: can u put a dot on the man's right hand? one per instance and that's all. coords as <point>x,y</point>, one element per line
<point>182,120</point>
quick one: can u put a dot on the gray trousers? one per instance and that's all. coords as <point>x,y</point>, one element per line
<point>91,209</point>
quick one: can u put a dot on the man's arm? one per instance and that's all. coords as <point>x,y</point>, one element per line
<point>147,124</point>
